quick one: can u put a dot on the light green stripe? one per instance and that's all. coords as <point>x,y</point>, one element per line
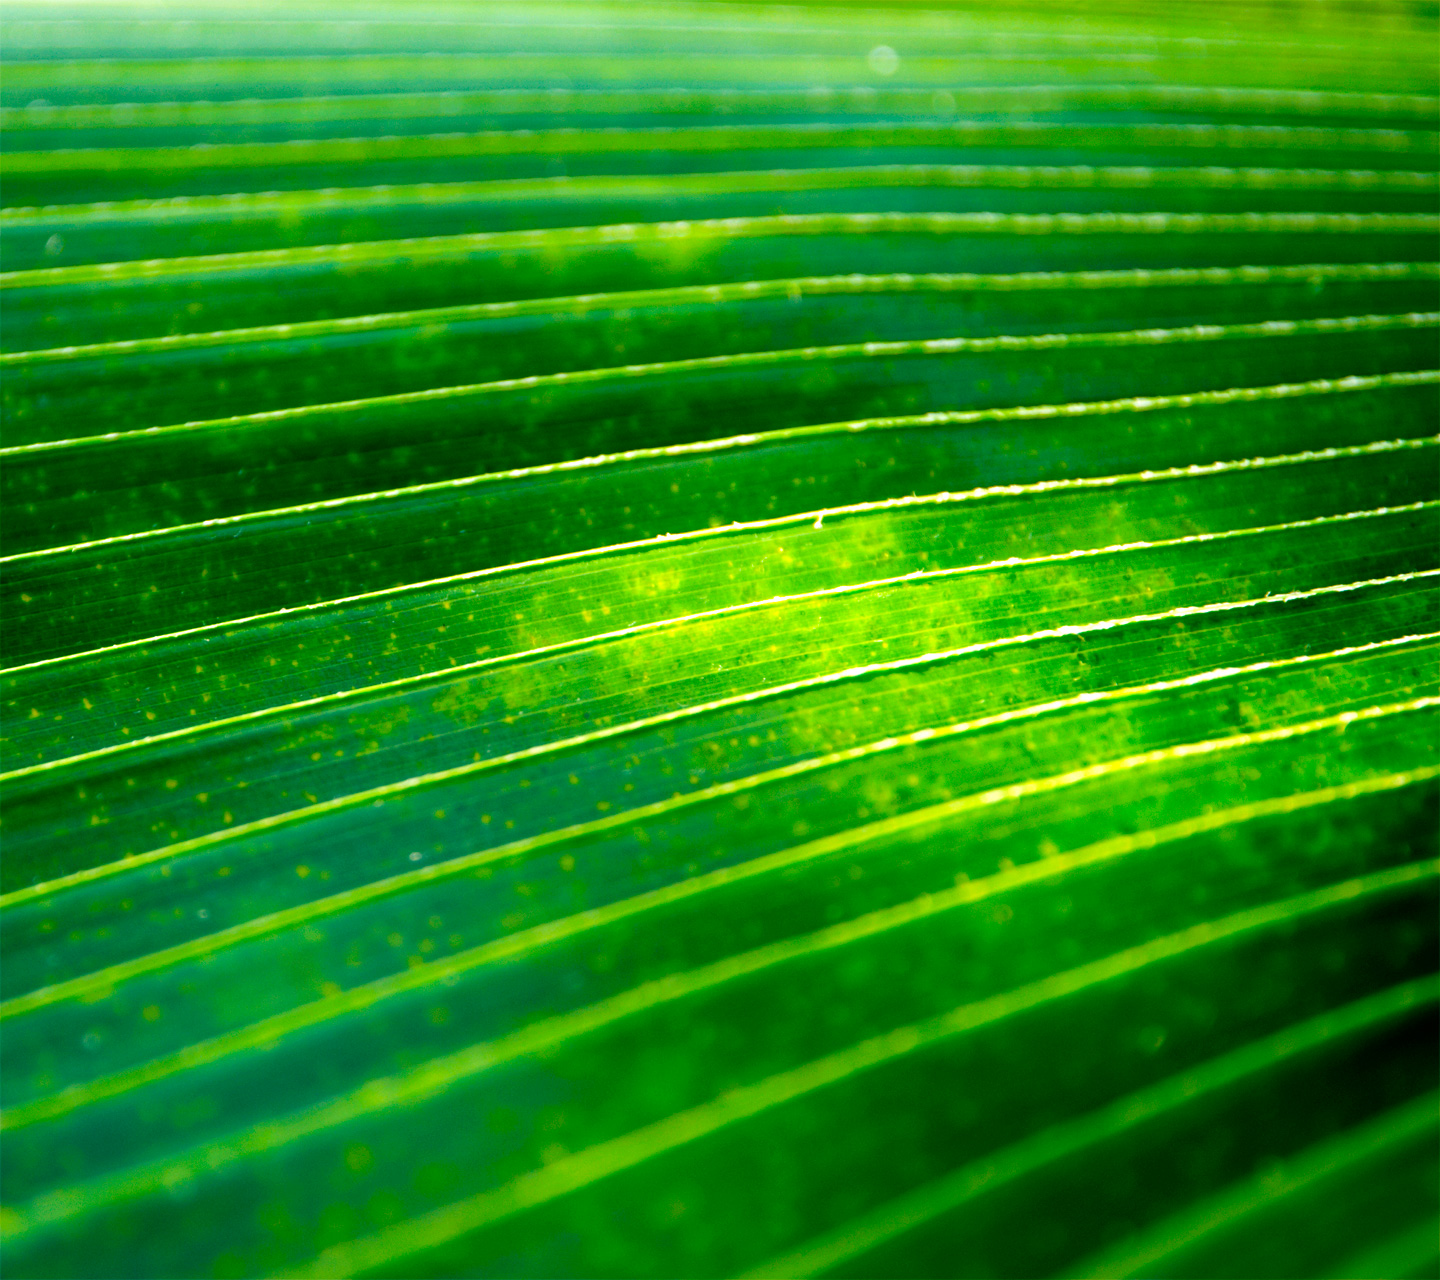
<point>1404,1253</point>
<point>1135,404</point>
<point>401,106</point>
<point>925,1204</point>
<point>678,620</point>
<point>713,138</point>
<point>1399,1128</point>
<point>585,1168</point>
<point>754,290</point>
<point>1380,67</point>
<point>431,1078</point>
<point>557,239</point>
<point>98,985</point>
<point>1197,333</point>
<point>499,191</point>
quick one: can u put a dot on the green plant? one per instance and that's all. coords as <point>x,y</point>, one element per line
<point>719,640</point>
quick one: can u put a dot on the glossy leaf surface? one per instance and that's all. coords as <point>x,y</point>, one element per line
<point>719,640</point>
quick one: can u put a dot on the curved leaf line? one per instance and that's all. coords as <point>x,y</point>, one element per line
<point>748,290</point>
<point>1078,340</point>
<point>1178,611</point>
<point>379,794</point>
<point>1401,1253</point>
<point>1400,1127</point>
<point>912,578</point>
<point>585,1168</point>
<point>154,212</point>
<point>808,517</point>
<point>926,1203</point>
<point>995,176</point>
<point>969,495</point>
<point>690,45</point>
<point>946,417</point>
<point>703,139</point>
<point>431,248</point>
<point>433,1077</point>
<point>441,102</point>
<point>98,985</point>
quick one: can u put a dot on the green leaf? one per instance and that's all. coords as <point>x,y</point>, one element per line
<point>719,640</point>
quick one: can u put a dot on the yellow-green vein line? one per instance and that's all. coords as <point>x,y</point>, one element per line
<point>1149,1249</point>
<point>97,985</point>
<point>394,789</point>
<point>741,291</point>
<point>604,1160</point>
<point>433,1077</point>
<point>1138,404</point>
<point>929,1202</point>
<point>916,578</point>
<point>431,248</point>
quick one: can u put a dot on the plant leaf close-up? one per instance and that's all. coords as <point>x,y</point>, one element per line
<point>720,639</point>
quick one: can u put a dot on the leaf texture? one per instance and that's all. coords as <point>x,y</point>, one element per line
<point>719,640</point>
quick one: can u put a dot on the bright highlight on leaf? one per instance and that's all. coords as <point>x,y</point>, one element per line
<point>723,639</point>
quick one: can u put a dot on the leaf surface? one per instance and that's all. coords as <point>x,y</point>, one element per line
<point>719,640</point>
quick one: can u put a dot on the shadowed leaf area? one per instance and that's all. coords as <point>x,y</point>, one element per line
<point>719,639</point>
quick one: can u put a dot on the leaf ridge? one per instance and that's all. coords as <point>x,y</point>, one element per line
<point>570,1173</point>
<point>104,980</point>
